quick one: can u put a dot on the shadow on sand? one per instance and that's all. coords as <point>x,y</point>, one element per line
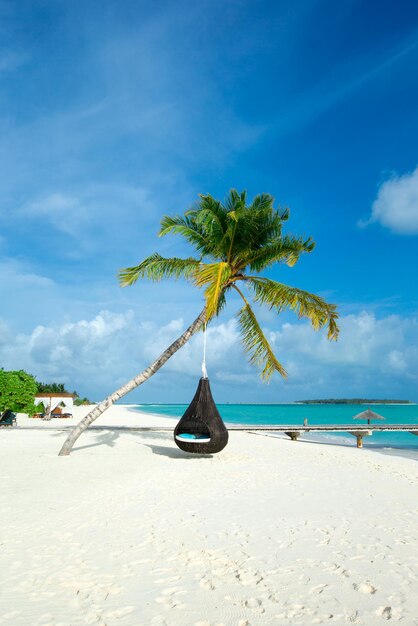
<point>175,453</point>
<point>110,437</point>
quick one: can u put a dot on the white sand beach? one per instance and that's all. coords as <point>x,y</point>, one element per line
<point>131,531</point>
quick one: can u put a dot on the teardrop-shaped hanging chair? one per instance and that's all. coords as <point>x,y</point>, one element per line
<point>201,429</point>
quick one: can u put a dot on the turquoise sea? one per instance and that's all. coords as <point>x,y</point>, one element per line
<point>294,414</point>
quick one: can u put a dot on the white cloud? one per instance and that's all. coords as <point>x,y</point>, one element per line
<point>94,210</point>
<point>76,352</point>
<point>396,205</point>
<point>374,357</point>
<point>64,212</point>
<point>397,360</point>
<point>27,294</point>
<point>222,346</point>
<point>362,338</point>
<point>16,275</point>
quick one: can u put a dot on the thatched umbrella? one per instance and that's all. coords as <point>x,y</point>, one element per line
<point>368,415</point>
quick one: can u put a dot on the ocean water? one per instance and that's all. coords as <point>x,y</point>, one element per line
<point>294,414</point>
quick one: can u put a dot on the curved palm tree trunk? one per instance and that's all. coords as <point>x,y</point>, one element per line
<point>132,384</point>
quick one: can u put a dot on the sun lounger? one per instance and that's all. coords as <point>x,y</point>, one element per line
<point>8,419</point>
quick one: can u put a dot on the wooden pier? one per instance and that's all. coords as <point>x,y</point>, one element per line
<point>366,430</point>
<point>291,430</point>
<point>294,432</point>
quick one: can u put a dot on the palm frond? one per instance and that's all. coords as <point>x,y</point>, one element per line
<point>156,267</point>
<point>210,218</point>
<point>287,250</point>
<point>258,225</point>
<point>279,297</point>
<point>187,228</point>
<point>256,344</point>
<point>235,200</point>
<point>215,277</point>
<point>262,202</point>
<point>215,207</point>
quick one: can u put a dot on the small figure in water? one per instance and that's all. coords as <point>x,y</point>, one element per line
<point>305,421</point>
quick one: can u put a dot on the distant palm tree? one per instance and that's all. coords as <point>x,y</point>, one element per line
<point>51,388</point>
<point>234,242</point>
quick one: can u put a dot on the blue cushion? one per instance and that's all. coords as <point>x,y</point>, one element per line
<point>192,437</point>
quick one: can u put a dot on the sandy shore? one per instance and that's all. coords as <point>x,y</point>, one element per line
<point>131,531</point>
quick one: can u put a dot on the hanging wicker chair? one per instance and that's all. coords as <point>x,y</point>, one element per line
<point>201,429</point>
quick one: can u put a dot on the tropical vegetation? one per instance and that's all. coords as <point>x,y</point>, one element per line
<point>17,391</point>
<point>60,388</point>
<point>51,388</point>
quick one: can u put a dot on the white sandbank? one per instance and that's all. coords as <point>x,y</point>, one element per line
<point>131,531</point>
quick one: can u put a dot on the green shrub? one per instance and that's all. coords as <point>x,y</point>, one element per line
<point>17,391</point>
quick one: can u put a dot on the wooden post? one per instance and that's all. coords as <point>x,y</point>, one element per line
<point>359,436</point>
<point>294,434</point>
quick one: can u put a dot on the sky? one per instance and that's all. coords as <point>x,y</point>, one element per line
<point>113,114</point>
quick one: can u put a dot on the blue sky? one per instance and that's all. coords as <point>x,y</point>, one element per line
<point>113,114</point>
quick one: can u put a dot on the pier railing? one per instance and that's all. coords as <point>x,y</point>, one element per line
<point>294,432</point>
<point>360,431</point>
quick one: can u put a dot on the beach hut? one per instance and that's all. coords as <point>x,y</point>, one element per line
<point>368,415</point>
<point>52,403</point>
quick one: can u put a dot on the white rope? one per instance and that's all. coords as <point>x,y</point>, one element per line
<point>204,370</point>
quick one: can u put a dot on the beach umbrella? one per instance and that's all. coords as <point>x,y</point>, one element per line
<point>368,415</point>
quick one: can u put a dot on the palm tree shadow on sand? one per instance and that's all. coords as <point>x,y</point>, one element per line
<point>110,438</point>
<point>105,439</point>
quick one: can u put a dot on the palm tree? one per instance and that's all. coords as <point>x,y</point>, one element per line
<point>234,242</point>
